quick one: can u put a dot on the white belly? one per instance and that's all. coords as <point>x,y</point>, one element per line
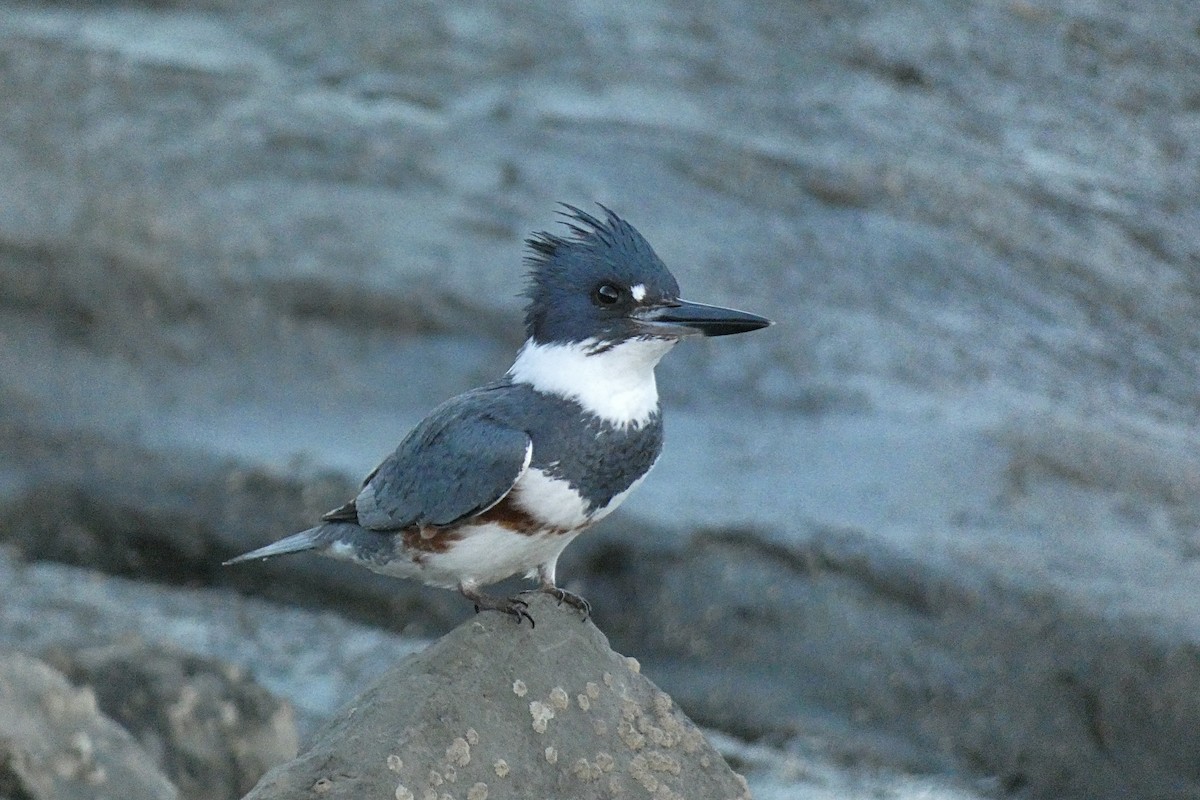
<point>485,554</point>
<point>550,501</point>
<point>489,553</point>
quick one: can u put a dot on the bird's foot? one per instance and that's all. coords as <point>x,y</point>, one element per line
<point>512,606</point>
<point>563,596</point>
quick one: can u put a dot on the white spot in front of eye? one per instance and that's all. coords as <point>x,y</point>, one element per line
<point>638,292</point>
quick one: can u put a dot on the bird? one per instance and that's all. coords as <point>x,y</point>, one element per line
<point>497,481</point>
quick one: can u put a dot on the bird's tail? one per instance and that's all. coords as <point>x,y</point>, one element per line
<point>296,543</point>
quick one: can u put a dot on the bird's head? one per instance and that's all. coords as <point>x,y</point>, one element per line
<point>603,283</point>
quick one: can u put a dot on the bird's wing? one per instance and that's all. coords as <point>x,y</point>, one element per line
<point>457,463</point>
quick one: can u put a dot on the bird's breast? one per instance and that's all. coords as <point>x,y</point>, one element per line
<point>550,503</point>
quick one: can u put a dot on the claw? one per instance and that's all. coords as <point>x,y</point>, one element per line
<point>520,613</point>
<point>563,596</point>
<point>510,605</point>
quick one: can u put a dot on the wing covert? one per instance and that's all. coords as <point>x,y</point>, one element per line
<point>450,467</point>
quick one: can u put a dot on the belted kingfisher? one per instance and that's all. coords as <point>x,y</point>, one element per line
<point>499,480</point>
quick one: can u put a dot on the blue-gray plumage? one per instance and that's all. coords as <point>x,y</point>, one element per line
<point>498,480</point>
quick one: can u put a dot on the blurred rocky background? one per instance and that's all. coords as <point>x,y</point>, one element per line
<point>936,534</point>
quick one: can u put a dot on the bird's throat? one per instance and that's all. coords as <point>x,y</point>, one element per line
<point>613,381</point>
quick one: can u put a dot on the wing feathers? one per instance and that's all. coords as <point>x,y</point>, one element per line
<point>457,463</point>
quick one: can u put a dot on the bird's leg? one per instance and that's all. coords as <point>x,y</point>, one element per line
<point>546,584</point>
<point>485,602</point>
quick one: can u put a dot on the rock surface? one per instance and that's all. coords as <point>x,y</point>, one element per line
<point>314,660</point>
<point>318,661</point>
<point>493,710</point>
<point>55,744</point>
<point>208,725</point>
<point>243,246</point>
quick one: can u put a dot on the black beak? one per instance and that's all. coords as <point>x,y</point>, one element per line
<point>683,317</point>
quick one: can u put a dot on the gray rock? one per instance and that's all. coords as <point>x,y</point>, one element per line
<point>318,661</point>
<point>56,745</point>
<point>209,726</point>
<point>496,710</point>
<point>315,660</point>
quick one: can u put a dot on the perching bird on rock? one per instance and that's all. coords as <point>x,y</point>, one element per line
<point>499,480</point>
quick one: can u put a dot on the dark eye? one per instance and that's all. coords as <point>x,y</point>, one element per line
<point>606,294</point>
